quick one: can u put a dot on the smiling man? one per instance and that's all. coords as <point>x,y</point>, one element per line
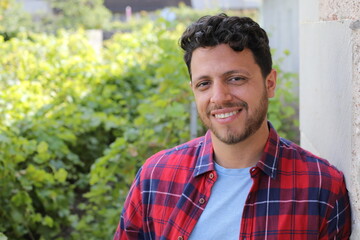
<point>240,180</point>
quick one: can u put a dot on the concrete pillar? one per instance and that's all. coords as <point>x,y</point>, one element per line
<point>330,88</point>
<point>355,163</point>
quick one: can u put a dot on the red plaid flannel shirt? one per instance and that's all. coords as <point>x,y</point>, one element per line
<point>295,195</point>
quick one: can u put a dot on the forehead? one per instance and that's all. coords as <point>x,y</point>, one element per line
<point>220,59</point>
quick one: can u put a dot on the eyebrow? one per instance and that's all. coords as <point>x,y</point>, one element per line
<point>235,72</point>
<point>225,74</point>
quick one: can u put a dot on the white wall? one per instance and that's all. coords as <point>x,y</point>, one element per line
<point>325,90</point>
<point>280,19</point>
<point>330,86</point>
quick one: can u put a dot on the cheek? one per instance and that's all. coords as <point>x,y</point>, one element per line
<point>200,104</point>
<point>245,94</point>
<point>251,96</point>
<point>200,99</point>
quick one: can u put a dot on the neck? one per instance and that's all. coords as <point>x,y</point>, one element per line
<point>243,154</point>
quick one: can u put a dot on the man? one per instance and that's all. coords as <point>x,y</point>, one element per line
<point>240,180</point>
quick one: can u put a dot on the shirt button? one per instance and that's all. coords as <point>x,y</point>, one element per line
<point>180,238</point>
<point>211,175</point>
<point>201,200</point>
<point>252,172</point>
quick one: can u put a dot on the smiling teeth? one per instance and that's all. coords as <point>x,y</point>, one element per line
<point>225,115</point>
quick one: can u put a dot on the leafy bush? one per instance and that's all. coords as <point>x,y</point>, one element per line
<point>75,126</point>
<point>12,19</point>
<point>87,14</point>
<point>45,121</point>
<point>181,14</point>
<point>283,108</point>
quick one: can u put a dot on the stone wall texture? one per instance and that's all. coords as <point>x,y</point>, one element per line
<point>339,9</point>
<point>354,185</point>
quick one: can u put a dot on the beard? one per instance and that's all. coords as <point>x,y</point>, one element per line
<point>252,122</point>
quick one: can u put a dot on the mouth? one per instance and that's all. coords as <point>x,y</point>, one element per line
<point>226,115</point>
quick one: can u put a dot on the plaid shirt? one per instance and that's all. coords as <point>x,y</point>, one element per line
<point>295,195</point>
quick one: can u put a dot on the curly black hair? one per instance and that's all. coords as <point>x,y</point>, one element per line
<point>238,32</point>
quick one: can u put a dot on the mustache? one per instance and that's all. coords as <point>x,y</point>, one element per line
<point>240,104</point>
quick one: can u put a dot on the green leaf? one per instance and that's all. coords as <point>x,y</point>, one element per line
<point>60,175</point>
<point>42,147</point>
<point>4,139</point>
<point>21,198</point>
<point>2,236</point>
<point>48,221</point>
<point>36,217</point>
<point>17,216</point>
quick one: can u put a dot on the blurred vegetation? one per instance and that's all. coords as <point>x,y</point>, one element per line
<point>181,14</point>
<point>89,14</point>
<point>13,19</point>
<point>283,108</point>
<point>75,126</point>
<point>65,14</point>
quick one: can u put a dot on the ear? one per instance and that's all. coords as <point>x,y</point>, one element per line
<point>270,83</point>
<point>191,84</point>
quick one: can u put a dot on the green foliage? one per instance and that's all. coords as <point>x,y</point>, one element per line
<point>156,112</point>
<point>12,19</point>
<point>181,14</point>
<point>186,14</point>
<point>46,121</point>
<point>283,108</point>
<point>2,236</point>
<point>65,14</point>
<point>88,14</point>
<point>75,126</point>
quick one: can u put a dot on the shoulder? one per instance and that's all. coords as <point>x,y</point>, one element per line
<point>315,179</point>
<point>183,156</point>
<point>312,175</point>
<point>307,162</point>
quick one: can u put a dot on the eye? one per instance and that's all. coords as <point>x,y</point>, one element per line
<point>202,84</point>
<point>237,80</point>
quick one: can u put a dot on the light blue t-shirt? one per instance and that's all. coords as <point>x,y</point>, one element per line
<point>221,218</point>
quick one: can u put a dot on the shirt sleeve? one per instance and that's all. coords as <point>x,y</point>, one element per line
<point>337,224</point>
<point>130,226</point>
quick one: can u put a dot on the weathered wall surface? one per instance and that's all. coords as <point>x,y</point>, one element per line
<point>330,88</point>
<point>355,165</point>
<point>325,91</point>
<point>339,9</point>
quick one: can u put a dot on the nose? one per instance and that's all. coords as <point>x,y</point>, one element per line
<point>220,93</point>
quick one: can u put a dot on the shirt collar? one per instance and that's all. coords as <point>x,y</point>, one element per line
<point>205,161</point>
<point>268,162</point>
<point>270,157</point>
